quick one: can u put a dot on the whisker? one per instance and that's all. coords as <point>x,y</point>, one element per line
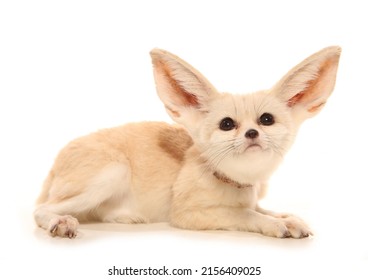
<point>214,158</point>
<point>214,153</point>
<point>275,147</point>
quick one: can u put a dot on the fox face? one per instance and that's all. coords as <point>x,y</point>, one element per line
<point>245,132</point>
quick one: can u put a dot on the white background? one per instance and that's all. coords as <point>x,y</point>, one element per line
<point>68,68</point>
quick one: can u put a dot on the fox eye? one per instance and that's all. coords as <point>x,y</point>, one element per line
<point>266,119</point>
<point>227,124</point>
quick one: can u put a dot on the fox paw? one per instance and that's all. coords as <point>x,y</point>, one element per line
<point>63,226</point>
<point>289,227</point>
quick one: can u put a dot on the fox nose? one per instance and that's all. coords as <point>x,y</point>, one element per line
<point>251,134</point>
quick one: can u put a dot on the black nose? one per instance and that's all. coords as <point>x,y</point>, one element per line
<point>251,134</point>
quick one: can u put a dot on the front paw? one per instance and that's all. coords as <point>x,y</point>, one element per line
<point>286,227</point>
<point>297,227</point>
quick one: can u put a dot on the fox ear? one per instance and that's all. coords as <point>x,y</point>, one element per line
<point>184,91</point>
<point>306,87</point>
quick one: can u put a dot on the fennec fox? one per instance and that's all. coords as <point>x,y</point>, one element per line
<point>208,172</point>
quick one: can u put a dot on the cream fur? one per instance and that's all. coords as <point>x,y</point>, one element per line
<point>156,172</point>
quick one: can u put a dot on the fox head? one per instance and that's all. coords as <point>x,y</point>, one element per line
<point>244,136</point>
